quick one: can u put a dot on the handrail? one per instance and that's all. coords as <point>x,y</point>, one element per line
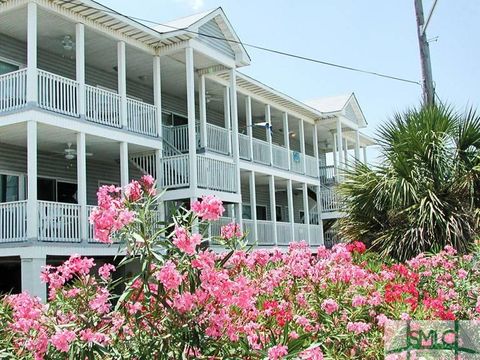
<point>13,90</point>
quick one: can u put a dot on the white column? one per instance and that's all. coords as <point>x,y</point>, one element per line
<point>82,184</point>
<point>357,145</point>
<point>306,210</point>
<point>253,204</point>
<point>122,81</point>
<point>124,177</point>
<point>31,269</point>
<point>234,121</point>
<point>32,83</point>
<point>80,65</point>
<point>248,112</point>
<point>268,119</point>
<point>301,129</point>
<point>192,137</point>
<point>365,155</point>
<point>157,96</point>
<point>315,148</point>
<point>335,155</point>
<point>203,112</point>
<point>227,114</point>
<point>340,143</point>
<point>32,204</point>
<point>286,139</point>
<point>319,214</point>
<point>291,210</point>
<point>159,177</point>
<point>273,207</point>
<point>347,160</point>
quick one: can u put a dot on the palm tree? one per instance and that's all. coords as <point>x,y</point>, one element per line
<point>425,194</point>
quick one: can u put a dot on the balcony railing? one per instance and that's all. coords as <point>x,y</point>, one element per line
<point>311,166</point>
<point>244,144</point>
<point>327,174</point>
<point>175,170</point>
<point>13,90</point>
<point>102,106</point>
<point>280,157</point>
<point>141,117</point>
<point>216,174</point>
<point>265,232</point>
<point>296,161</point>
<point>300,232</point>
<point>331,200</point>
<point>57,93</point>
<point>218,139</point>
<point>284,233</point>
<point>13,221</point>
<point>261,151</point>
<point>58,222</point>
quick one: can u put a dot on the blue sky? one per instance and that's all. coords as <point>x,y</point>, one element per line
<point>376,35</point>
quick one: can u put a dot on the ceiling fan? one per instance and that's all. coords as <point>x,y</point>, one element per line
<point>71,153</point>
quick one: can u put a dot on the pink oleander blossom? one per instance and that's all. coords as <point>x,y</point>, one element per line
<point>105,271</point>
<point>358,327</point>
<point>169,276</point>
<point>186,242</point>
<point>62,339</point>
<point>277,352</point>
<point>230,231</point>
<point>209,208</point>
<point>329,306</point>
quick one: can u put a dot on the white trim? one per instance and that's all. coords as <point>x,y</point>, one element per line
<point>13,62</point>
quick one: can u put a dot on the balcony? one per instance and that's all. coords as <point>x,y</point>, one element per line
<point>61,95</point>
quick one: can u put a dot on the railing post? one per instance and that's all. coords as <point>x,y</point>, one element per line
<point>345,149</point>
<point>80,66</point>
<point>291,213</point>
<point>203,112</point>
<point>122,82</point>
<point>340,143</point>
<point>268,129</point>
<point>32,204</point>
<point>319,214</point>
<point>82,184</point>
<point>124,177</point>
<point>357,145</point>
<point>273,207</point>
<point>253,204</point>
<point>302,144</point>
<point>234,121</point>
<point>157,94</point>
<point>227,115</point>
<point>192,139</point>
<point>248,112</point>
<point>32,72</point>
<point>286,137</point>
<point>306,210</point>
<point>315,149</point>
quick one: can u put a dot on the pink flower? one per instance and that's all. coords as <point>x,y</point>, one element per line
<point>382,320</point>
<point>462,274</point>
<point>277,352</point>
<point>105,271</point>
<point>169,276</point>
<point>100,303</point>
<point>209,208</point>
<point>358,327</point>
<point>148,184</point>
<point>359,300</point>
<point>184,242</point>
<point>62,339</point>
<point>231,230</point>
<point>133,191</point>
<point>312,354</point>
<point>329,306</point>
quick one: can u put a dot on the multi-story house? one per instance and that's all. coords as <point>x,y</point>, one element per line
<point>90,97</point>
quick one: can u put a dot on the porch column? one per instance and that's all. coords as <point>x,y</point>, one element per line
<point>286,139</point>
<point>192,137</point>
<point>347,160</point>
<point>124,178</point>
<point>291,210</point>
<point>159,177</point>
<point>80,66</point>
<point>31,268</point>
<point>273,207</point>
<point>248,111</point>
<point>157,96</point>
<point>319,213</point>
<point>32,204</point>
<point>357,145</point>
<point>227,114</point>
<point>340,143</point>
<point>234,121</point>
<point>253,204</point>
<point>301,129</point>
<point>82,184</point>
<point>306,210</point>
<point>315,149</point>
<point>203,112</point>
<point>122,82</point>
<point>335,156</point>
<point>32,83</point>
<point>365,155</point>
<point>268,120</point>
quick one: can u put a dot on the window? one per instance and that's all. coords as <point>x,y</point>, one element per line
<point>278,211</point>
<point>246,211</point>
<point>261,212</point>
<point>57,191</point>
<point>9,188</point>
<point>6,67</point>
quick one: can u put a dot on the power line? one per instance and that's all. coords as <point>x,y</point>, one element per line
<point>257,47</point>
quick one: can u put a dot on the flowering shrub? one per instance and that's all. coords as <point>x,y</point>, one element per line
<point>189,303</point>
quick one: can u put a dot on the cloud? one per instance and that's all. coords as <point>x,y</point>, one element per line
<point>193,4</point>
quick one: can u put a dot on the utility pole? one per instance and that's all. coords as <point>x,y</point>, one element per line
<point>427,80</point>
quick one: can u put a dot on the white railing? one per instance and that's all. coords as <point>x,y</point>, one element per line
<point>90,235</point>
<point>284,233</point>
<point>174,171</point>
<point>311,166</point>
<point>331,238</point>
<point>296,160</point>
<point>145,162</point>
<point>261,151</point>
<point>13,221</point>
<point>13,90</point>
<point>216,226</point>
<point>331,201</point>
<point>58,222</point>
<point>141,117</point>
<point>244,144</point>
<point>177,136</point>
<point>280,157</point>
<point>265,232</point>
<point>102,106</point>
<point>216,174</point>
<point>57,93</point>
<point>300,232</point>
<point>315,235</point>
<point>218,139</point>
<point>248,229</point>
<point>327,174</point>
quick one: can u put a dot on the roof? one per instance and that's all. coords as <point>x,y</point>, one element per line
<point>330,103</point>
<point>182,23</point>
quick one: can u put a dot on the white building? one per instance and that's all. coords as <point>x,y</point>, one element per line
<point>88,97</point>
